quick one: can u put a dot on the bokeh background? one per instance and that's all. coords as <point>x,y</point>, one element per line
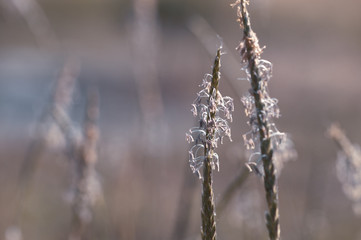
<point>147,59</point>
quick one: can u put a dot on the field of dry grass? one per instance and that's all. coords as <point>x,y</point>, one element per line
<point>142,155</point>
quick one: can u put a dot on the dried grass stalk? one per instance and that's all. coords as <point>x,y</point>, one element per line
<point>260,108</point>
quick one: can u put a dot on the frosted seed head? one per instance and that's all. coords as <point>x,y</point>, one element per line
<point>253,167</point>
<point>215,161</point>
<point>189,138</point>
<point>194,110</point>
<point>212,111</point>
<point>284,151</point>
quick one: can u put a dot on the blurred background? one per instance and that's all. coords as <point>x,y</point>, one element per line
<point>146,58</point>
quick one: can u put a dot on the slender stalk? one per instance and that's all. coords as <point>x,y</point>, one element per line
<point>213,112</point>
<point>212,128</point>
<point>251,52</point>
<point>208,206</point>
